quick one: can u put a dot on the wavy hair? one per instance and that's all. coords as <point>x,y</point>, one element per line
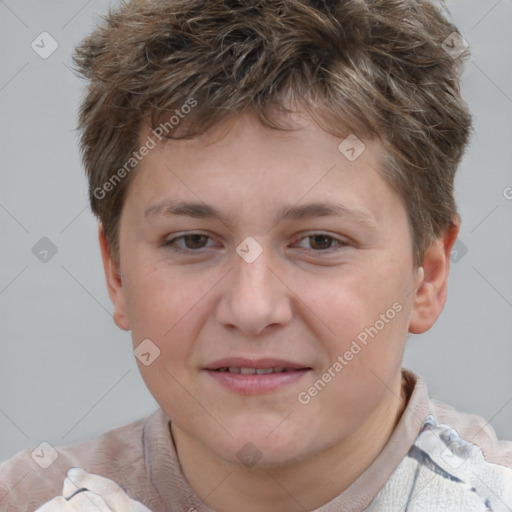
<point>375,68</point>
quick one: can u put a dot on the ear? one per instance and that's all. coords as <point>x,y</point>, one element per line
<point>430,295</point>
<point>114,282</point>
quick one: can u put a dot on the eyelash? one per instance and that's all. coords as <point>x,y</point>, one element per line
<point>171,244</point>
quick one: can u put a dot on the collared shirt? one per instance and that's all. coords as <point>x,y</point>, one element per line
<point>437,459</point>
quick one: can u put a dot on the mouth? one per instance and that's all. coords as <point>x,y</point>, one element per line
<point>249,366</point>
<point>257,371</point>
<point>252,377</point>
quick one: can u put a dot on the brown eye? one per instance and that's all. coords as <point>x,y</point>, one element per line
<point>320,242</point>
<point>189,243</point>
<point>195,241</point>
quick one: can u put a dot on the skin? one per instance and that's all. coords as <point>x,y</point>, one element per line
<point>298,300</point>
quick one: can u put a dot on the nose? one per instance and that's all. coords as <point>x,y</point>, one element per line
<point>254,297</point>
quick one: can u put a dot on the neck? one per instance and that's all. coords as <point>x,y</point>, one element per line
<point>305,485</point>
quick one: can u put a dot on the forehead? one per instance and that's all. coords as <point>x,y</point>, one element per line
<point>241,164</point>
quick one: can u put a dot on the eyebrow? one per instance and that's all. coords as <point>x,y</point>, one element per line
<point>198,210</point>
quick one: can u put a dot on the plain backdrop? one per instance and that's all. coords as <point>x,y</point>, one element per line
<point>67,373</point>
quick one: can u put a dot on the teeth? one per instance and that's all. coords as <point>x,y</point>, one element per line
<point>255,371</point>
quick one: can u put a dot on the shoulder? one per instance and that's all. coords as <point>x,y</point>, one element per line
<point>475,430</point>
<point>470,428</point>
<point>455,463</point>
<point>36,474</point>
<point>447,469</point>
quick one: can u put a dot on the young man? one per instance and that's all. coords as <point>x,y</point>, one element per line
<point>274,185</point>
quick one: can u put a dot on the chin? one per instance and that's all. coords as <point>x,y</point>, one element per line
<point>263,448</point>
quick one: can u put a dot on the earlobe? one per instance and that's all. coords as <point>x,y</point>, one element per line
<point>114,282</point>
<point>430,293</point>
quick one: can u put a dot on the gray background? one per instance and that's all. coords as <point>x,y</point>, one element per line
<point>67,373</point>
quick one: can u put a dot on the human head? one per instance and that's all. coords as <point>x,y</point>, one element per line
<point>376,69</point>
<point>315,82</point>
<point>338,309</point>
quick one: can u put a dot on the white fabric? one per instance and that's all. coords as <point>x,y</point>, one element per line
<point>100,495</point>
<point>444,473</point>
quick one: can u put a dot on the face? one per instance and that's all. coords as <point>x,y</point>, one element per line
<point>266,251</point>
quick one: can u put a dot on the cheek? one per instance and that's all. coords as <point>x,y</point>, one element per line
<point>346,302</point>
<point>363,329</point>
<point>160,298</point>
<point>168,308</point>
<point>359,377</point>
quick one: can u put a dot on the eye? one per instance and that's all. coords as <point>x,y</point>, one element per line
<point>320,242</point>
<point>193,242</point>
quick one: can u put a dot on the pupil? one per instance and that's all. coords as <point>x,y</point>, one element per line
<point>325,241</point>
<point>196,241</point>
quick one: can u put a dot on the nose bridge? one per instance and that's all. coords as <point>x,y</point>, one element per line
<point>253,281</point>
<point>254,298</point>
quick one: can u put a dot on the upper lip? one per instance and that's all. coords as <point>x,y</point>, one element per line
<point>242,362</point>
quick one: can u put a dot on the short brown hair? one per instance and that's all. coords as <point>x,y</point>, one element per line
<point>373,68</point>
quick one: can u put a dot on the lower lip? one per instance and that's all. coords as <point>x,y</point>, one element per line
<point>256,384</point>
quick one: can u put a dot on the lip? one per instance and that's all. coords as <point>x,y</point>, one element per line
<point>254,384</point>
<point>243,362</point>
